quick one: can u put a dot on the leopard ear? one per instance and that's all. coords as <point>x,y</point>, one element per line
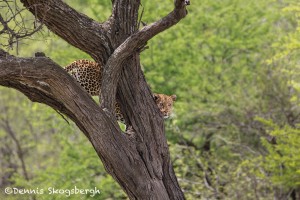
<point>155,96</point>
<point>174,97</point>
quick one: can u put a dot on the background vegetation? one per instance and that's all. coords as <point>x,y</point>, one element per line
<point>234,66</point>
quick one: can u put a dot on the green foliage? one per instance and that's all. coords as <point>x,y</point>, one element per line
<point>76,165</point>
<point>283,160</point>
<point>281,164</point>
<point>57,155</point>
<point>279,167</point>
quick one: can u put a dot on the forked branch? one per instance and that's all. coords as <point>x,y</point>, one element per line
<point>132,44</point>
<point>77,29</point>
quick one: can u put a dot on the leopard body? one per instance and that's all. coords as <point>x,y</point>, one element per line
<point>88,74</point>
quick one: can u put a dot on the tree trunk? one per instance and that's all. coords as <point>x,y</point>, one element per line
<point>146,171</point>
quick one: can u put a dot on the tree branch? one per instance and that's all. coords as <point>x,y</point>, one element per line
<point>42,80</point>
<point>77,29</point>
<point>137,40</point>
<point>146,171</point>
<point>20,152</point>
<point>14,26</point>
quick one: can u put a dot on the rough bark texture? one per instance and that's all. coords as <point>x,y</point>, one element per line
<point>146,171</point>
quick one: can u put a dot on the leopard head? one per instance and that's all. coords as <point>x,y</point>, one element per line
<point>164,103</point>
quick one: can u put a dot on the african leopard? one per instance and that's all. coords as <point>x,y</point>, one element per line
<point>88,74</point>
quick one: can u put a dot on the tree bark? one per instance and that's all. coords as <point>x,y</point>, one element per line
<point>146,171</point>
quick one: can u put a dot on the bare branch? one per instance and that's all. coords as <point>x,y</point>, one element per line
<point>77,29</point>
<point>129,46</point>
<point>40,79</point>
<point>20,152</point>
<point>15,27</point>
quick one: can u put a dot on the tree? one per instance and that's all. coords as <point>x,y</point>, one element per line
<point>146,171</point>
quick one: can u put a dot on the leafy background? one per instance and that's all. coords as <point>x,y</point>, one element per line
<point>233,65</point>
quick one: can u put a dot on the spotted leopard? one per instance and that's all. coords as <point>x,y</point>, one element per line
<point>88,74</point>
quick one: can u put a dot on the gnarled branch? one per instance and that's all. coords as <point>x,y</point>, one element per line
<point>77,29</point>
<point>42,80</point>
<point>137,40</point>
<point>140,162</point>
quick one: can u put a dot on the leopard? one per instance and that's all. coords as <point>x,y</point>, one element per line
<point>88,74</point>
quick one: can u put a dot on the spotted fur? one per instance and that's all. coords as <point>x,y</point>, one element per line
<point>88,74</point>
